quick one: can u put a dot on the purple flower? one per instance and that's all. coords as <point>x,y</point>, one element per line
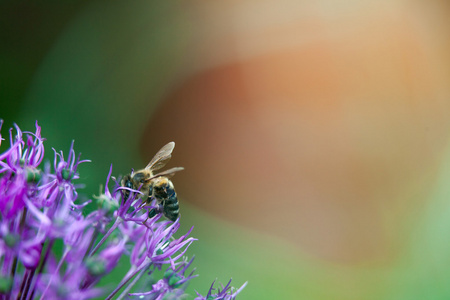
<point>159,249</point>
<point>224,293</point>
<point>172,285</point>
<point>155,243</point>
<point>103,263</point>
<point>68,285</point>
<point>23,154</point>
<point>59,185</point>
<point>38,210</point>
<point>13,192</point>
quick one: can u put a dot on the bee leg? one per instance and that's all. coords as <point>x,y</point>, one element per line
<point>152,213</point>
<point>142,205</point>
<point>147,202</point>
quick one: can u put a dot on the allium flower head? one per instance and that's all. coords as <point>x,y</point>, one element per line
<point>23,154</point>
<point>39,208</point>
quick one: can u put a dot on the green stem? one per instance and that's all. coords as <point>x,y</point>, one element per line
<point>24,282</point>
<point>15,261</point>
<point>66,251</point>
<point>39,271</point>
<point>27,284</point>
<point>91,244</point>
<point>128,288</point>
<point>117,222</point>
<point>130,274</point>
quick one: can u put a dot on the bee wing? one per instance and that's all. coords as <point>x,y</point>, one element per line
<point>161,157</point>
<point>167,173</point>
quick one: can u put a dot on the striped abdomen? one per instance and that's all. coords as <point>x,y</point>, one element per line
<point>171,208</point>
<point>164,192</point>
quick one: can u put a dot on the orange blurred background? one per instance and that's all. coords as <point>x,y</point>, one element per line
<point>325,129</point>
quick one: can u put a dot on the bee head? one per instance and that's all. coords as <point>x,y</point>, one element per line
<point>126,181</point>
<point>139,177</point>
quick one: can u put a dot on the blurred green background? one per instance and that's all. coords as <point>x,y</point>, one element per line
<point>98,72</point>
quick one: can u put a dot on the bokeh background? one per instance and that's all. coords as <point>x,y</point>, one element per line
<point>315,136</point>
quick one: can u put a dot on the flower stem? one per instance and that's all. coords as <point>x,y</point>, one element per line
<point>66,251</point>
<point>128,276</point>
<point>13,267</point>
<point>39,271</point>
<point>22,285</point>
<point>127,289</point>
<point>117,222</point>
<point>91,244</point>
<point>24,292</point>
<point>15,262</point>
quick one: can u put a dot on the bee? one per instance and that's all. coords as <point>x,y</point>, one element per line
<point>156,186</point>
